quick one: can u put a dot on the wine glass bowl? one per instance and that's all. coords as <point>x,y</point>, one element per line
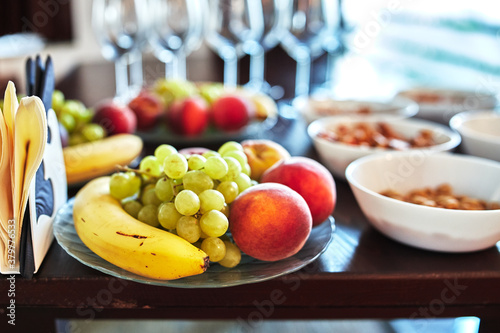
<point>234,26</point>
<point>306,24</point>
<point>120,27</point>
<point>177,31</point>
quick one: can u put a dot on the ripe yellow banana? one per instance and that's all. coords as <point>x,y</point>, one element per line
<point>98,158</point>
<point>117,237</point>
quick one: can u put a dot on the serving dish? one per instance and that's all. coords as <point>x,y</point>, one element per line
<point>337,155</point>
<point>440,104</point>
<point>248,271</point>
<point>315,107</point>
<point>480,131</point>
<point>431,228</point>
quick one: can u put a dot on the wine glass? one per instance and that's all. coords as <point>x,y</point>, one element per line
<point>307,23</point>
<point>120,28</point>
<point>272,13</point>
<point>177,30</point>
<point>234,26</point>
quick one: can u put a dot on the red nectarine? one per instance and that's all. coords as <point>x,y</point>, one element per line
<point>311,180</point>
<point>270,221</point>
<point>262,154</point>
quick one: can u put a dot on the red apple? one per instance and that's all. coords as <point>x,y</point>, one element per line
<point>262,154</point>
<point>232,112</point>
<point>147,108</point>
<point>188,116</point>
<point>270,221</point>
<point>115,118</point>
<point>311,180</point>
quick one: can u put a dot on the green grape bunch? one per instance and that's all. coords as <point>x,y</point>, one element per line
<point>188,195</point>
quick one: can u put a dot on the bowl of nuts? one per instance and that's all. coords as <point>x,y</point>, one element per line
<point>339,140</point>
<point>480,132</point>
<point>442,201</point>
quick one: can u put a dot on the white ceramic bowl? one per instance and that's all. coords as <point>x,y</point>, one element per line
<point>336,156</point>
<point>480,131</point>
<point>425,227</point>
<point>316,107</point>
<point>439,104</point>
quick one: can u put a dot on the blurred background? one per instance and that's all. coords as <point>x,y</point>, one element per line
<point>388,44</point>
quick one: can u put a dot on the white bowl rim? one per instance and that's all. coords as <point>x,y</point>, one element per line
<point>457,121</point>
<point>399,106</point>
<point>453,142</point>
<point>401,154</point>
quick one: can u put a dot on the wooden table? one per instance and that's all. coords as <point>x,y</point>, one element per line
<point>362,274</point>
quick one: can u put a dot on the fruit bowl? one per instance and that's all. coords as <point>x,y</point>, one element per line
<point>440,104</point>
<point>480,131</point>
<point>337,155</point>
<point>248,271</point>
<point>313,108</point>
<point>431,228</point>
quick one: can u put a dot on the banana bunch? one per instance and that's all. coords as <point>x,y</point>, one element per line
<point>98,158</point>
<point>114,235</point>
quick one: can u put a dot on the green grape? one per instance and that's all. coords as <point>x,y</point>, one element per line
<point>232,257</point>
<point>175,166</point>
<point>168,215</point>
<point>196,162</point>
<point>149,197</point>
<point>188,227</point>
<point>210,153</point>
<point>246,169</point>
<point>230,146</point>
<point>172,89</point>
<point>85,116</point>
<point>74,108</point>
<point>229,190</point>
<point>214,247</point>
<point>120,186</point>
<point>211,200</point>
<point>238,155</point>
<point>149,214</point>
<point>216,167</point>
<point>132,207</point>
<point>177,185</point>
<point>187,202</point>
<point>135,182</point>
<point>214,223</point>
<point>68,121</point>
<point>243,182</point>
<point>150,166</point>
<point>57,100</point>
<point>211,91</point>
<point>233,168</point>
<point>225,210</point>
<point>197,181</point>
<point>93,132</point>
<point>162,151</point>
<point>164,189</point>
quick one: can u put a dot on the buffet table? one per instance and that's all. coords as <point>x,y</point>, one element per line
<point>362,274</point>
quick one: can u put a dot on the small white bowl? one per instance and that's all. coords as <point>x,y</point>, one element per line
<point>440,104</point>
<point>316,107</point>
<point>430,228</point>
<point>480,131</point>
<point>337,156</point>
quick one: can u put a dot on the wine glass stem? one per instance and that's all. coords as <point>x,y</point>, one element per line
<point>257,68</point>
<point>180,65</point>
<point>136,73</point>
<point>303,74</point>
<point>231,71</point>
<point>121,78</point>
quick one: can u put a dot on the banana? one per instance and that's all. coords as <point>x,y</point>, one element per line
<point>114,235</point>
<point>98,158</point>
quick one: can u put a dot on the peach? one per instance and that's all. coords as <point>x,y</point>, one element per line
<point>311,180</point>
<point>262,154</point>
<point>115,117</point>
<point>270,221</point>
<point>232,112</point>
<point>147,108</point>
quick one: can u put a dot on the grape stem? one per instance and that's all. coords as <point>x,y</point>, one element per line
<point>136,171</point>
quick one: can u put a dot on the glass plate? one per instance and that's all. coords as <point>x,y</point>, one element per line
<point>255,129</point>
<point>250,270</point>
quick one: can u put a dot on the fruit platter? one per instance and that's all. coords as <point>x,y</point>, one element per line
<point>200,218</point>
<point>185,112</point>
